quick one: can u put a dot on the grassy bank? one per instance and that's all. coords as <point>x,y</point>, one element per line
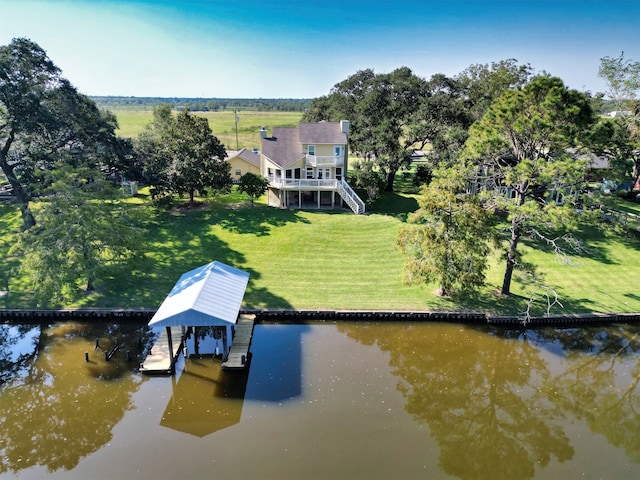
<point>331,260</point>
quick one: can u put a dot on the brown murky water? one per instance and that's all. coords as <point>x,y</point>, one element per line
<point>346,400</point>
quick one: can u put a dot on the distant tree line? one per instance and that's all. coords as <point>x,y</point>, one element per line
<point>206,104</point>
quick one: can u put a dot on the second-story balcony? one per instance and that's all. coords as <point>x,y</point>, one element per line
<point>324,161</point>
<point>303,184</point>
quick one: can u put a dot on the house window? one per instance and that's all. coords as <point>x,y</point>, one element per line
<point>337,150</point>
<point>296,173</point>
<point>309,172</point>
<point>269,172</point>
<point>238,172</point>
<point>287,173</point>
<point>311,150</point>
<point>339,173</point>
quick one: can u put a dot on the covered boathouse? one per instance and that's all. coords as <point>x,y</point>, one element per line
<point>208,296</point>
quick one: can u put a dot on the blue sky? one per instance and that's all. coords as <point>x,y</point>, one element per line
<point>301,48</point>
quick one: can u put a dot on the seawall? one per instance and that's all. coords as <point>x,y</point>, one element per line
<point>122,315</point>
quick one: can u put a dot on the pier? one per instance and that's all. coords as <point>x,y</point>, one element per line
<point>238,357</point>
<point>159,361</point>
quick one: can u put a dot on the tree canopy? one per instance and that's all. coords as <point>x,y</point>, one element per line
<point>44,120</point>
<point>396,113</point>
<point>449,242</point>
<point>380,108</point>
<point>520,153</point>
<point>181,155</point>
<point>82,230</point>
<point>253,185</point>
<point>622,77</point>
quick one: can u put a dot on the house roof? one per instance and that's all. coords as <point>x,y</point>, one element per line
<point>323,132</point>
<point>285,146</point>
<point>209,295</point>
<point>246,155</point>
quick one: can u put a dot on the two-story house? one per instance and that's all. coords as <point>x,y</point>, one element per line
<point>307,166</point>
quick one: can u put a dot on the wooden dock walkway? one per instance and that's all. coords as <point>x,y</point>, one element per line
<point>238,357</point>
<point>158,361</point>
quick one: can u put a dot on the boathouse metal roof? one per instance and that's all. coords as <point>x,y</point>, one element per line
<point>209,295</point>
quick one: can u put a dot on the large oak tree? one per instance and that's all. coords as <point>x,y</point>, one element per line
<point>44,120</point>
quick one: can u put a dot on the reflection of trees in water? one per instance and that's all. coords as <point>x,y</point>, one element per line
<point>482,397</point>
<point>601,381</point>
<point>18,346</point>
<point>64,408</point>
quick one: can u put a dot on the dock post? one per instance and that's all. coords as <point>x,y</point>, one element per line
<point>172,359</point>
<point>225,342</point>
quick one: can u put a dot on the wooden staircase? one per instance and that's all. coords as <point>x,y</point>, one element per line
<point>350,197</point>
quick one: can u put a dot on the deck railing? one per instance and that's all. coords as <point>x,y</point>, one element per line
<point>324,161</point>
<point>303,183</point>
<point>341,186</point>
<point>348,195</point>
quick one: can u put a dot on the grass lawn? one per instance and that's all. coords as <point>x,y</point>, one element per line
<point>330,260</point>
<point>322,260</point>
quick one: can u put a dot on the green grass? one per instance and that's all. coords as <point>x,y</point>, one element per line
<point>132,122</point>
<point>625,206</point>
<point>331,260</point>
<point>323,260</point>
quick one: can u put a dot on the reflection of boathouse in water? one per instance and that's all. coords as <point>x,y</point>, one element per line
<point>208,296</point>
<point>204,398</point>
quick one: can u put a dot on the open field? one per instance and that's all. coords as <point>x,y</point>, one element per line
<point>132,122</point>
<point>330,260</point>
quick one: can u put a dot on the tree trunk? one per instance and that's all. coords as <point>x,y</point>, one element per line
<point>391,176</point>
<point>191,197</point>
<point>511,258</point>
<point>22,198</point>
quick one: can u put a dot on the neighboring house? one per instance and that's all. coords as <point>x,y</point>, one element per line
<point>307,166</point>
<point>598,168</point>
<point>243,161</point>
<point>620,113</point>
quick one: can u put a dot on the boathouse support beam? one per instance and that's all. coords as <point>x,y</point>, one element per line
<point>172,360</point>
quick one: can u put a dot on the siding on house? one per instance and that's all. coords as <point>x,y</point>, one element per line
<point>243,161</point>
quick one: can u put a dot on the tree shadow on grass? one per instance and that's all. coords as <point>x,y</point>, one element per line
<point>395,205</point>
<point>176,243</point>
<point>490,301</point>
<point>589,244</point>
<point>257,220</point>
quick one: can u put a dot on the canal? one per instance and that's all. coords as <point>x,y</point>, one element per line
<point>342,400</point>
